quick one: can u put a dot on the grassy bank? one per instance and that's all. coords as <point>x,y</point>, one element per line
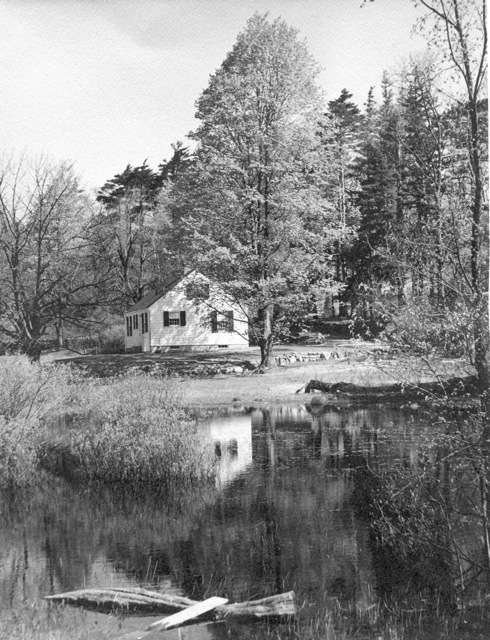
<point>135,431</point>
<point>131,430</point>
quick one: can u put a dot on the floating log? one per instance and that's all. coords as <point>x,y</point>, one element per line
<point>142,601</point>
<point>191,613</point>
<point>278,606</point>
<point>131,600</point>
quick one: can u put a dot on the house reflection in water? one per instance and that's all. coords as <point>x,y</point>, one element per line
<point>232,440</point>
<point>280,516</point>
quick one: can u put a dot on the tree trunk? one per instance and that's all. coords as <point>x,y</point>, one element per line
<point>266,342</point>
<point>33,350</point>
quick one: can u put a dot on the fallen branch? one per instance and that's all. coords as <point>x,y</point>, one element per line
<point>130,600</point>
<point>143,601</point>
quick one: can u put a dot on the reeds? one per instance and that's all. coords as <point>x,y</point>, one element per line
<point>136,432</point>
<point>28,394</point>
<point>132,430</point>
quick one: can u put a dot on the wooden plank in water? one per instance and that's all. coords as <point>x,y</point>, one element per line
<point>188,614</point>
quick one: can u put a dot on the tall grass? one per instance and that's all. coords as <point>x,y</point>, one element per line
<point>136,433</point>
<point>131,431</point>
<point>28,394</point>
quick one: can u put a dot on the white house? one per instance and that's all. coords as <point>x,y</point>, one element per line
<point>186,313</point>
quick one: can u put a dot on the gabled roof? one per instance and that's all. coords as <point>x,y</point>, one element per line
<point>155,294</point>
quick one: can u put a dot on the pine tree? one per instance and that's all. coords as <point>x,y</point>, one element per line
<point>127,232</point>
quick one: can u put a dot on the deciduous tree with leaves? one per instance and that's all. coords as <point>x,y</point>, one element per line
<point>253,207</point>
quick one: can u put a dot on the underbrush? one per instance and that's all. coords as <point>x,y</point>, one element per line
<point>29,393</point>
<point>429,521</point>
<point>136,432</point>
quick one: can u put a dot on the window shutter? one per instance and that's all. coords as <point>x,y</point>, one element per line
<point>231,324</point>
<point>166,319</point>
<point>214,321</point>
<point>182,318</point>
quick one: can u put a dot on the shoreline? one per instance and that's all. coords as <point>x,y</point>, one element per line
<point>353,383</point>
<point>359,372</point>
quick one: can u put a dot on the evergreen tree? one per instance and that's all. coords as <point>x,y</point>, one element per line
<point>128,238</point>
<point>345,124</point>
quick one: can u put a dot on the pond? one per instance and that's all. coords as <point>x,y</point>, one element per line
<point>281,515</point>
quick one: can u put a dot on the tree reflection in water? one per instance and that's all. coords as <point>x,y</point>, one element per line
<point>280,516</point>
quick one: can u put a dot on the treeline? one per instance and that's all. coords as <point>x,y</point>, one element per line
<point>300,209</point>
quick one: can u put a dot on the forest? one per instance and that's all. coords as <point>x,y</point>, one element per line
<point>303,209</point>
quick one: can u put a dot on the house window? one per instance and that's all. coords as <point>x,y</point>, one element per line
<point>174,319</point>
<point>129,326</point>
<point>222,321</point>
<point>135,321</point>
<point>144,322</point>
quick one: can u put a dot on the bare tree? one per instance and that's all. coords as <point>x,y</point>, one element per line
<point>44,240</point>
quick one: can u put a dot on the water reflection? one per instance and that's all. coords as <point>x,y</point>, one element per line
<point>232,440</point>
<point>279,517</point>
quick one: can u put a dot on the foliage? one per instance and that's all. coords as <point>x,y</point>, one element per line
<point>133,225</point>
<point>421,259</point>
<point>127,234</point>
<point>138,434</point>
<point>252,208</point>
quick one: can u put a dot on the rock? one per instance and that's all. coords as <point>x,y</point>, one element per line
<point>237,370</point>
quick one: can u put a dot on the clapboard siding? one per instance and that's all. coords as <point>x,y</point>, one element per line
<point>197,332</point>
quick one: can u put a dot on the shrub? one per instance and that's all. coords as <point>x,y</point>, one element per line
<point>429,521</point>
<point>137,433</point>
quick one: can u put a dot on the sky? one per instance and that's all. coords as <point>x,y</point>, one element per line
<point>104,83</point>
